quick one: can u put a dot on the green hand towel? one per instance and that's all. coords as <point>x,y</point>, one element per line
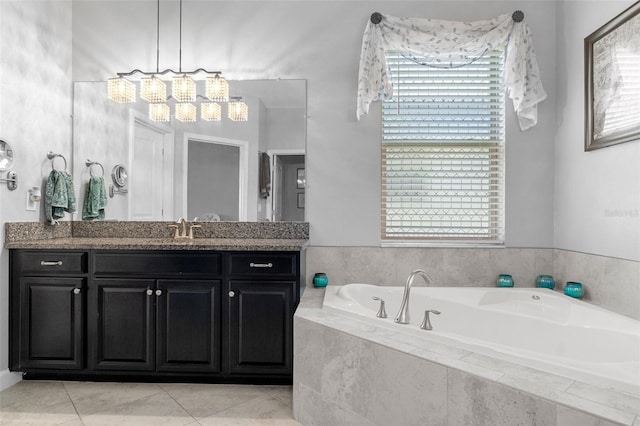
<point>95,200</point>
<point>59,196</point>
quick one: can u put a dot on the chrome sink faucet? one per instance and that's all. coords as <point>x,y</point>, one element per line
<point>403,314</point>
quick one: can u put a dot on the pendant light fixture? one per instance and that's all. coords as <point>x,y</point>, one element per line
<point>238,110</point>
<point>153,89</point>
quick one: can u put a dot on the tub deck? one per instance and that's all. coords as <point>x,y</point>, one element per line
<point>320,381</point>
<point>539,328</point>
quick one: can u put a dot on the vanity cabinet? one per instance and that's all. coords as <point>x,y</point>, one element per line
<point>164,316</point>
<point>202,315</point>
<point>155,325</point>
<point>262,299</point>
<point>49,291</point>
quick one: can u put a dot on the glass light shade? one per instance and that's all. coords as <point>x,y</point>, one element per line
<point>186,112</point>
<point>121,90</point>
<point>159,112</point>
<point>238,111</point>
<point>184,88</point>
<point>217,88</point>
<point>153,89</point>
<point>210,111</point>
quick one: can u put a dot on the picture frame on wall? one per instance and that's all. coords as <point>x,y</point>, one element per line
<point>301,200</point>
<point>612,79</point>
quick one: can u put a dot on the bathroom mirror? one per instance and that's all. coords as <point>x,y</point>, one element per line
<point>119,176</point>
<point>6,156</point>
<point>176,169</point>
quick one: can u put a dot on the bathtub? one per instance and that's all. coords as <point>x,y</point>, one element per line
<point>538,328</point>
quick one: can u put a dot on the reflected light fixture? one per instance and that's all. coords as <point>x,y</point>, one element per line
<point>238,110</point>
<point>159,112</point>
<point>185,112</point>
<point>210,111</point>
<point>153,89</point>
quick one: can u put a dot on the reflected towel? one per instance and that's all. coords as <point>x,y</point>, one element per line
<point>59,196</point>
<point>265,175</point>
<point>95,200</point>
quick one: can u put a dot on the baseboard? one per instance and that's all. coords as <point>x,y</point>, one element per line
<point>8,379</point>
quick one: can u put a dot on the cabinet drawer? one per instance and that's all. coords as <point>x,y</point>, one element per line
<point>52,262</point>
<point>157,264</point>
<point>263,264</point>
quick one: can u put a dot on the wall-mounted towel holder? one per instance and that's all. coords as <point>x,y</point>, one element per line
<point>52,156</point>
<point>90,165</point>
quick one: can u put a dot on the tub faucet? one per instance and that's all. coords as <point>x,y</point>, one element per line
<point>403,314</point>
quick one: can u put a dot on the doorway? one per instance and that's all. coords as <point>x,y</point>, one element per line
<point>151,170</point>
<point>288,187</point>
<point>214,178</point>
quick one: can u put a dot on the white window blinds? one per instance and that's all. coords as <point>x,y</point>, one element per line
<point>443,152</point>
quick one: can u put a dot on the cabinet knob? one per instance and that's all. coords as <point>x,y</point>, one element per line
<point>232,293</point>
<point>76,291</point>
<point>158,292</point>
<point>149,292</point>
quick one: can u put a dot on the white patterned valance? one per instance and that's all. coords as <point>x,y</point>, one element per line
<point>446,44</point>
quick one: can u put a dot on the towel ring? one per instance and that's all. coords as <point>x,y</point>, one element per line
<point>90,165</point>
<point>52,155</point>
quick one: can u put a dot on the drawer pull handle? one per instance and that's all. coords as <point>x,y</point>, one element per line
<point>76,291</point>
<point>51,263</point>
<point>149,292</point>
<point>261,265</point>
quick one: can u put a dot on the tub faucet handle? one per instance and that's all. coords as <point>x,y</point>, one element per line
<point>426,323</point>
<point>382,313</point>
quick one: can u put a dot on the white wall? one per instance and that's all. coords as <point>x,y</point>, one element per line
<point>320,41</point>
<point>597,193</point>
<point>35,114</point>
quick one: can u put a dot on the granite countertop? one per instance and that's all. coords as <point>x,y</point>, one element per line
<point>240,236</point>
<point>240,244</point>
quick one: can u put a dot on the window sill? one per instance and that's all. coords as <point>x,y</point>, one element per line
<point>441,244</point>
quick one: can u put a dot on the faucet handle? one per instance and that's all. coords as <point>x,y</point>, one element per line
<point>382,313</point>
<point>191,230</point>
<point>177,233</point>
<point>426,323</point>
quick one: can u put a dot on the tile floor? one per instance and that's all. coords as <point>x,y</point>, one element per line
<point>87,403</point>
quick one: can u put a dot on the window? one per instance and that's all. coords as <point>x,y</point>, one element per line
<point>443,152</point>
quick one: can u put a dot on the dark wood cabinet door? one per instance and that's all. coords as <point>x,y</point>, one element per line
<point>260,327</point>
<point>51,322</point>
<point>122,324</point>
<point>188,326</point>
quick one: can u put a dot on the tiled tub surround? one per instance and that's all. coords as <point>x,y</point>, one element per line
<point>157,235</point>
<point>611,283</point>
<point>350,372</point>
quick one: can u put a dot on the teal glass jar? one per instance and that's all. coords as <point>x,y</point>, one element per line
<point>545,281</point>
<point>504,280</point>
<point>574,289</point>
<point>320,279</point>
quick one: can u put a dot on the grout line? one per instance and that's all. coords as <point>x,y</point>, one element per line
<point>64,386</point>
<point>180,405</point>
